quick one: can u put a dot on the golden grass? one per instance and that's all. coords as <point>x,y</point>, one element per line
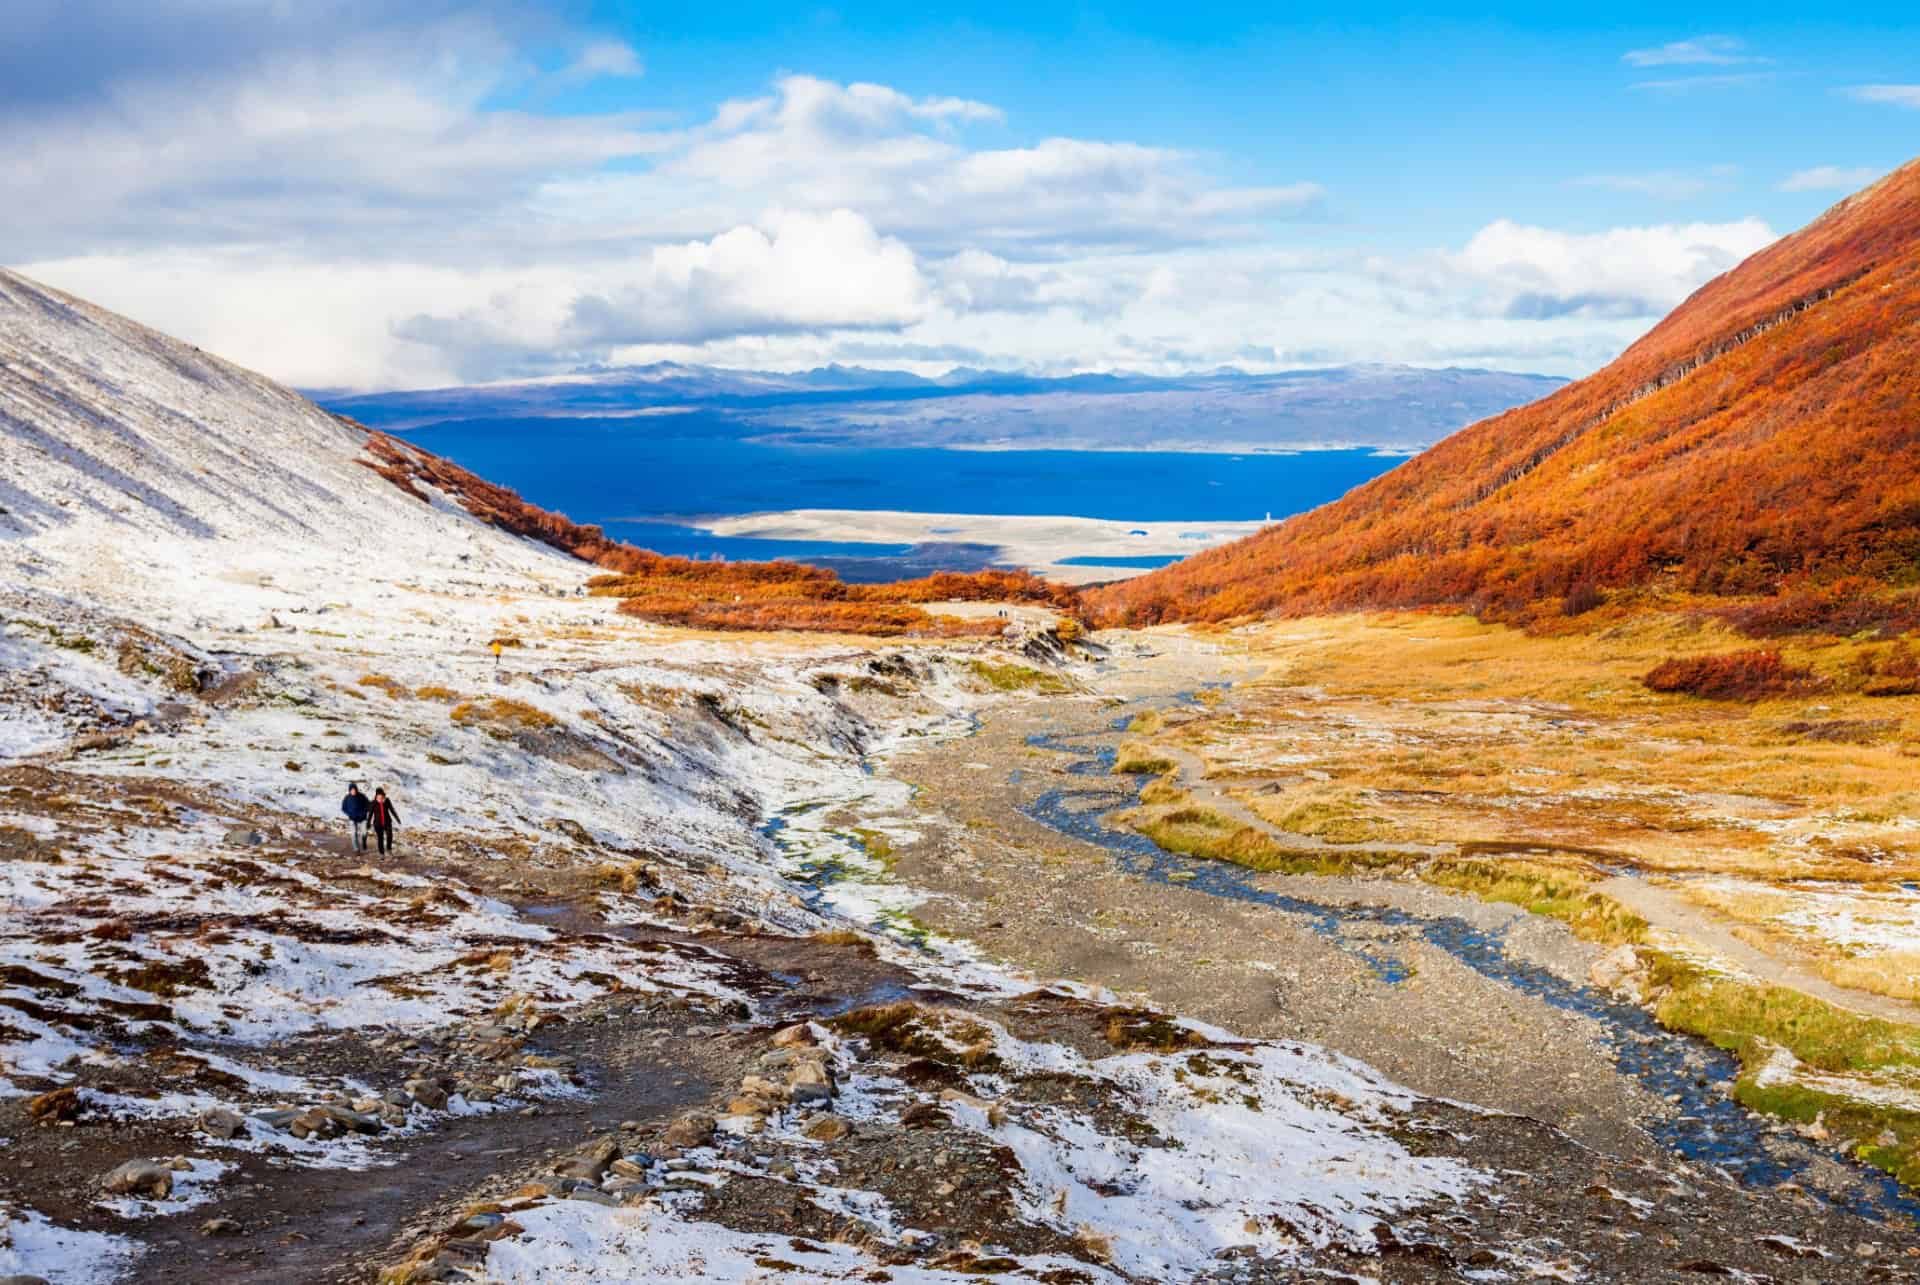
<point>1137,758</point>
<point>1474,732</point>
<point>501,717</point>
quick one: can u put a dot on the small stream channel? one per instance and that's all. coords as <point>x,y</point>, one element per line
<point>1706,1126</point>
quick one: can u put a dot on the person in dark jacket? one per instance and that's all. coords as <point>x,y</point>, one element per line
<point>357,809</point>
<point>383,817</point>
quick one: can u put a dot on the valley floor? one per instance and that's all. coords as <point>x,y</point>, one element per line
<point>736,960</point>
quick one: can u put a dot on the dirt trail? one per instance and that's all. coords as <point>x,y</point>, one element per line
<point>1670,912</point>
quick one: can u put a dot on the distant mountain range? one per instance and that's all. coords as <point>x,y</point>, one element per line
<point>1391,408</point>
<point>1764,437</point>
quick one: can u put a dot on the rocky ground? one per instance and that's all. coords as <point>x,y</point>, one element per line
<point>554,1038</point>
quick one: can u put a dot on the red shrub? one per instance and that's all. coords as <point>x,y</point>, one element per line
<point>1734,676</point>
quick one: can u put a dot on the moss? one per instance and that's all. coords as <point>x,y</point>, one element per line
<point>1734,1013</point>
<point>1012,677</point>
<point>1556,894</point>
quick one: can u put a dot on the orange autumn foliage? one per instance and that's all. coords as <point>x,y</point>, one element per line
<point>1734,676</point>
<point>1763,439</point>
<point>717,595</point>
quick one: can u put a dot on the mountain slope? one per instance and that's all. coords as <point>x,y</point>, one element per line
<point>1395,407</point>
<point>1766,432</point>
<point>127,459</point>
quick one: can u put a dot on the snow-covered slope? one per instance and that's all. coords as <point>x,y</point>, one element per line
<point>136,466</point>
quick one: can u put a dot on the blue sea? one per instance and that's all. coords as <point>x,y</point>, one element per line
<point>651,480</point>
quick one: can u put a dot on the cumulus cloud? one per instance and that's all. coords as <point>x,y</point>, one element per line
<point>813,272</point>
<point>1891,95</point>
<point>1714,50</point>
<point>804,273</point>
<point>376,143</point>
<point>1830,178</point>
<point>1538,273</point>
<point>334,193</point>
<point>907,165</point>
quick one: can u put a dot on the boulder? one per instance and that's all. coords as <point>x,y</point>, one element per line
<point>1618,971</point>
<point>139,1178</point>
<point>692,1130</point>
<point>827,1128</point>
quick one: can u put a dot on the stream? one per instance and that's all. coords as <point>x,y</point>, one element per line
<point>1707,1125</point>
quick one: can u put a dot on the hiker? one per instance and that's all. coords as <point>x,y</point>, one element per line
<point>383,818</point>
<point>356,808</point>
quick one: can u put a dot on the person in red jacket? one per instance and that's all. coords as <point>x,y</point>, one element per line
<point>383,817</point>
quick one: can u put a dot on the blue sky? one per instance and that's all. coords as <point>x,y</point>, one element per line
<point>345,194</point>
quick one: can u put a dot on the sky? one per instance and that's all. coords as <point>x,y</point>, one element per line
<point>355,194</point>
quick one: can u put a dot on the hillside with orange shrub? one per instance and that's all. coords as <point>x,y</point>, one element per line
<point>1761,441</point>
<point>717,595</point>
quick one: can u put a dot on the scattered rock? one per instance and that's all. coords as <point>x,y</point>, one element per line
<point>692,1130</point>
<point>922,1115</point>
<point>219,1227</point>
<point>221,1123</point>
<point>827,1128</point>
<point>139,1178</point>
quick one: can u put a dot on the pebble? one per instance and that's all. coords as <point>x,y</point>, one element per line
<point>219,1227</point>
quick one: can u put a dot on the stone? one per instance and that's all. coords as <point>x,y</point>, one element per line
<point>795,1035</point>
<point>758,1086</point>
<point>1618,970</point>
<point>632,1166</point>
<point>428,1094</point>
<point>277,1118</point>
<point>242,836</point>
<point>139,1178</point>
<point>351,1120</point>
<point>579,1167</point>
<point>315,1123</point>
<point>995,1113</point>
<point>593,1195</point>
<point>810,1082</point>
<point>922,1115</point>
<point>24,1280</point>
<point>827,1128</point>
<point>692,1130</point>
<point>219,1227</point>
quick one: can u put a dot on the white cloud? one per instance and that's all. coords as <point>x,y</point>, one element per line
<point>1538,273</point>
<point>1892,95</point>
<point>1830,178</point>
<point>604,58</point>
<point>1714,50</point>
<point>339,204</point>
